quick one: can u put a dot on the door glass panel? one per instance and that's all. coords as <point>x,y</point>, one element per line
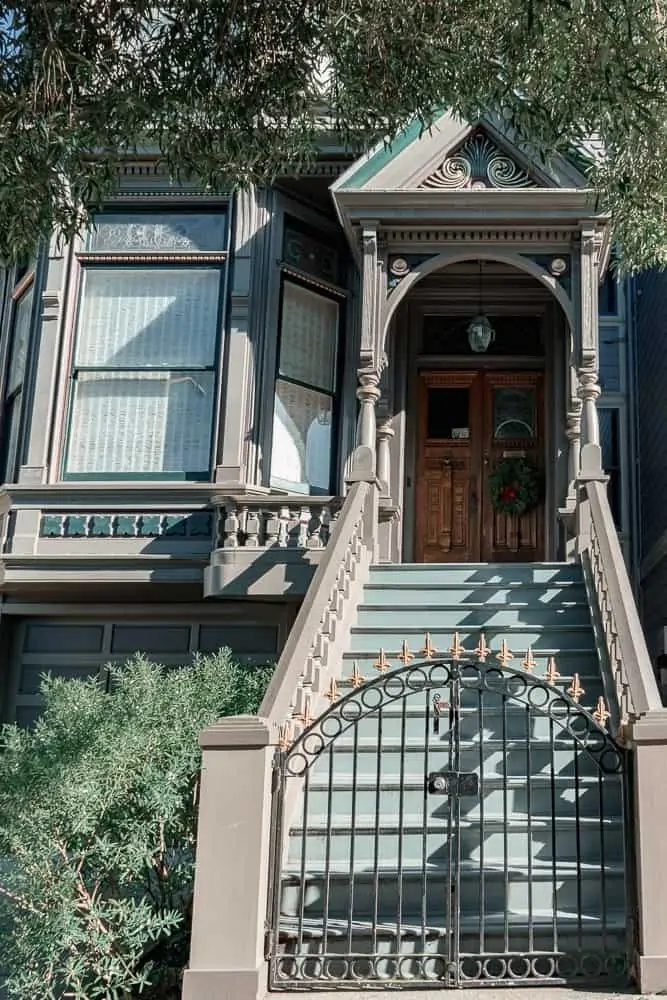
<point>448,411</point>
<point>513,413</point>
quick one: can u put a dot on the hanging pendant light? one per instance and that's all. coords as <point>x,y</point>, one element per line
<point>480,332</point>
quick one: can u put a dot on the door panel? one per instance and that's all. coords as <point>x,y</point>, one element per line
<point>448,515</point>
<point>467,422</point>
<point>513,406</point>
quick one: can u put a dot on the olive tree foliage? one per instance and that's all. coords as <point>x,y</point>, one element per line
<point>224,91</point>
<point>98,809</point>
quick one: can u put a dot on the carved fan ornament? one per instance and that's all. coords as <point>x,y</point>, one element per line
<point>477,164</point>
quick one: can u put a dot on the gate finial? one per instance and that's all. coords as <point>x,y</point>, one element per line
<point>429,649</point>
<point>355,679</point>
<point>552,672</point>
<point>332,691</point>
<point>306,718</point>
<point>504,656</point>
<point>456,650</point>
<point>285,736</point>
<point>529,662</point>
<point>405,655</point>
<point>482,651</point>
<point>575,689</point>
<point>601,714</point>
<point>382,663</point>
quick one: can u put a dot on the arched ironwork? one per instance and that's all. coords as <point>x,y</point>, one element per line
<point>454,822</point>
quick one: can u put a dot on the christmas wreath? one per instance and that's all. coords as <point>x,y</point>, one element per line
<point>515,486</point>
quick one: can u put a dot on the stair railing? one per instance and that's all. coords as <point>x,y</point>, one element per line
<point>641,725</point>
<point>234,843</point>
<point>317,638</point>
<point>636,686</point>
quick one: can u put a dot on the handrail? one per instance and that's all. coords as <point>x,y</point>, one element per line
<point>349,550</point>
<point>635,681</point>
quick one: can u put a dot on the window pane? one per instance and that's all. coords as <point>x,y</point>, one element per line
<point>135,422</point>
<point>610,442</point>
<point>19,343</point>
<point>448,413</point>
<point>11,425</point>
<point>513,413</point>
<point>309,332</point>
<point>608,295</point>
<point>610,373</point>
<point>301,450</point>
<point>138,317</point>
<point>310,255</point>
<point>152,232</point>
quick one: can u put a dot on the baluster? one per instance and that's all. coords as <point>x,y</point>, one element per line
<point>231,528</point>
<point>316,538</point>
<point>284,527</point>
<point>303,524</point>
<point>252,528</point>
<point>272,529</point>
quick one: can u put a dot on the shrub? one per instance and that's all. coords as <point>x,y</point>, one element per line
<point>98,825</point>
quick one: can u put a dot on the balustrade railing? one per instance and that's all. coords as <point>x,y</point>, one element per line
<point>636,686</point>
<point>319,632</point>
<point>282,522</point>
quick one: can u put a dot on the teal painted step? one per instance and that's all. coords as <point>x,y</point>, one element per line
<point>543,641</point>
<point>434,617</point>
<point>483,573</point>
<point>409,794</point>
<point>473,595</point>
<point>541,848</point>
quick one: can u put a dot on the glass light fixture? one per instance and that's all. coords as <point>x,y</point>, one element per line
<point>480,332</point>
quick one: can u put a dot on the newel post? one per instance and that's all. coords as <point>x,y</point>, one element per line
<point>232,863</point>
<point>649,738</point>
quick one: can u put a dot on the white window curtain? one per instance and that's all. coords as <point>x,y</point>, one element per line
<point>143,375</point>
<point>303,410</point>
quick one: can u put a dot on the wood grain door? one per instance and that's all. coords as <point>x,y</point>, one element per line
<point>513,427</point>
<point>448,515</point>
<point>467,422</point>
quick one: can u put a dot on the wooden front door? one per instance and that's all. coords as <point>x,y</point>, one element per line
<point>468,421</point>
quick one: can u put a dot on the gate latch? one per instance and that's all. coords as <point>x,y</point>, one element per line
<point>458,783</point>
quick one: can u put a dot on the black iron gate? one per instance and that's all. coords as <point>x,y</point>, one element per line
<point>450,822</point>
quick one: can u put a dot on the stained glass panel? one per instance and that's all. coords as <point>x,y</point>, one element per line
<point>153,232</point>
<point>513,413</point>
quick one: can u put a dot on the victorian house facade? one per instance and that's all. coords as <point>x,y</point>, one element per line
<point>390,423</point>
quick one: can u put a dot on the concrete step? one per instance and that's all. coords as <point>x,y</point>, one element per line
<point>475,595</point>
<point>435,618</point>
<point>506,574</point>
<point>544,641</point>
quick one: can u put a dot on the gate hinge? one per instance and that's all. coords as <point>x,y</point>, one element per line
<point>276,776</point>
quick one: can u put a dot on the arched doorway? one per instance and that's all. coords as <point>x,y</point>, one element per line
<point>467,417</point>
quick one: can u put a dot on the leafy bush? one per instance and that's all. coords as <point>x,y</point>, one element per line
<point>98,807</point>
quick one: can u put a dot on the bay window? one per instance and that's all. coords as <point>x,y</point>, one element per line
<point>304,416</point>
<point>146,347</point>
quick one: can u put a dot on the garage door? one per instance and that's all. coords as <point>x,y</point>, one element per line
<point>84,648</point>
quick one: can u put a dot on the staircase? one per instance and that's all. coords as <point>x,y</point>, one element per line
<point>522,878</point>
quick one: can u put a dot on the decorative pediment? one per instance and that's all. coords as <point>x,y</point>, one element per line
<point>477,163</point>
